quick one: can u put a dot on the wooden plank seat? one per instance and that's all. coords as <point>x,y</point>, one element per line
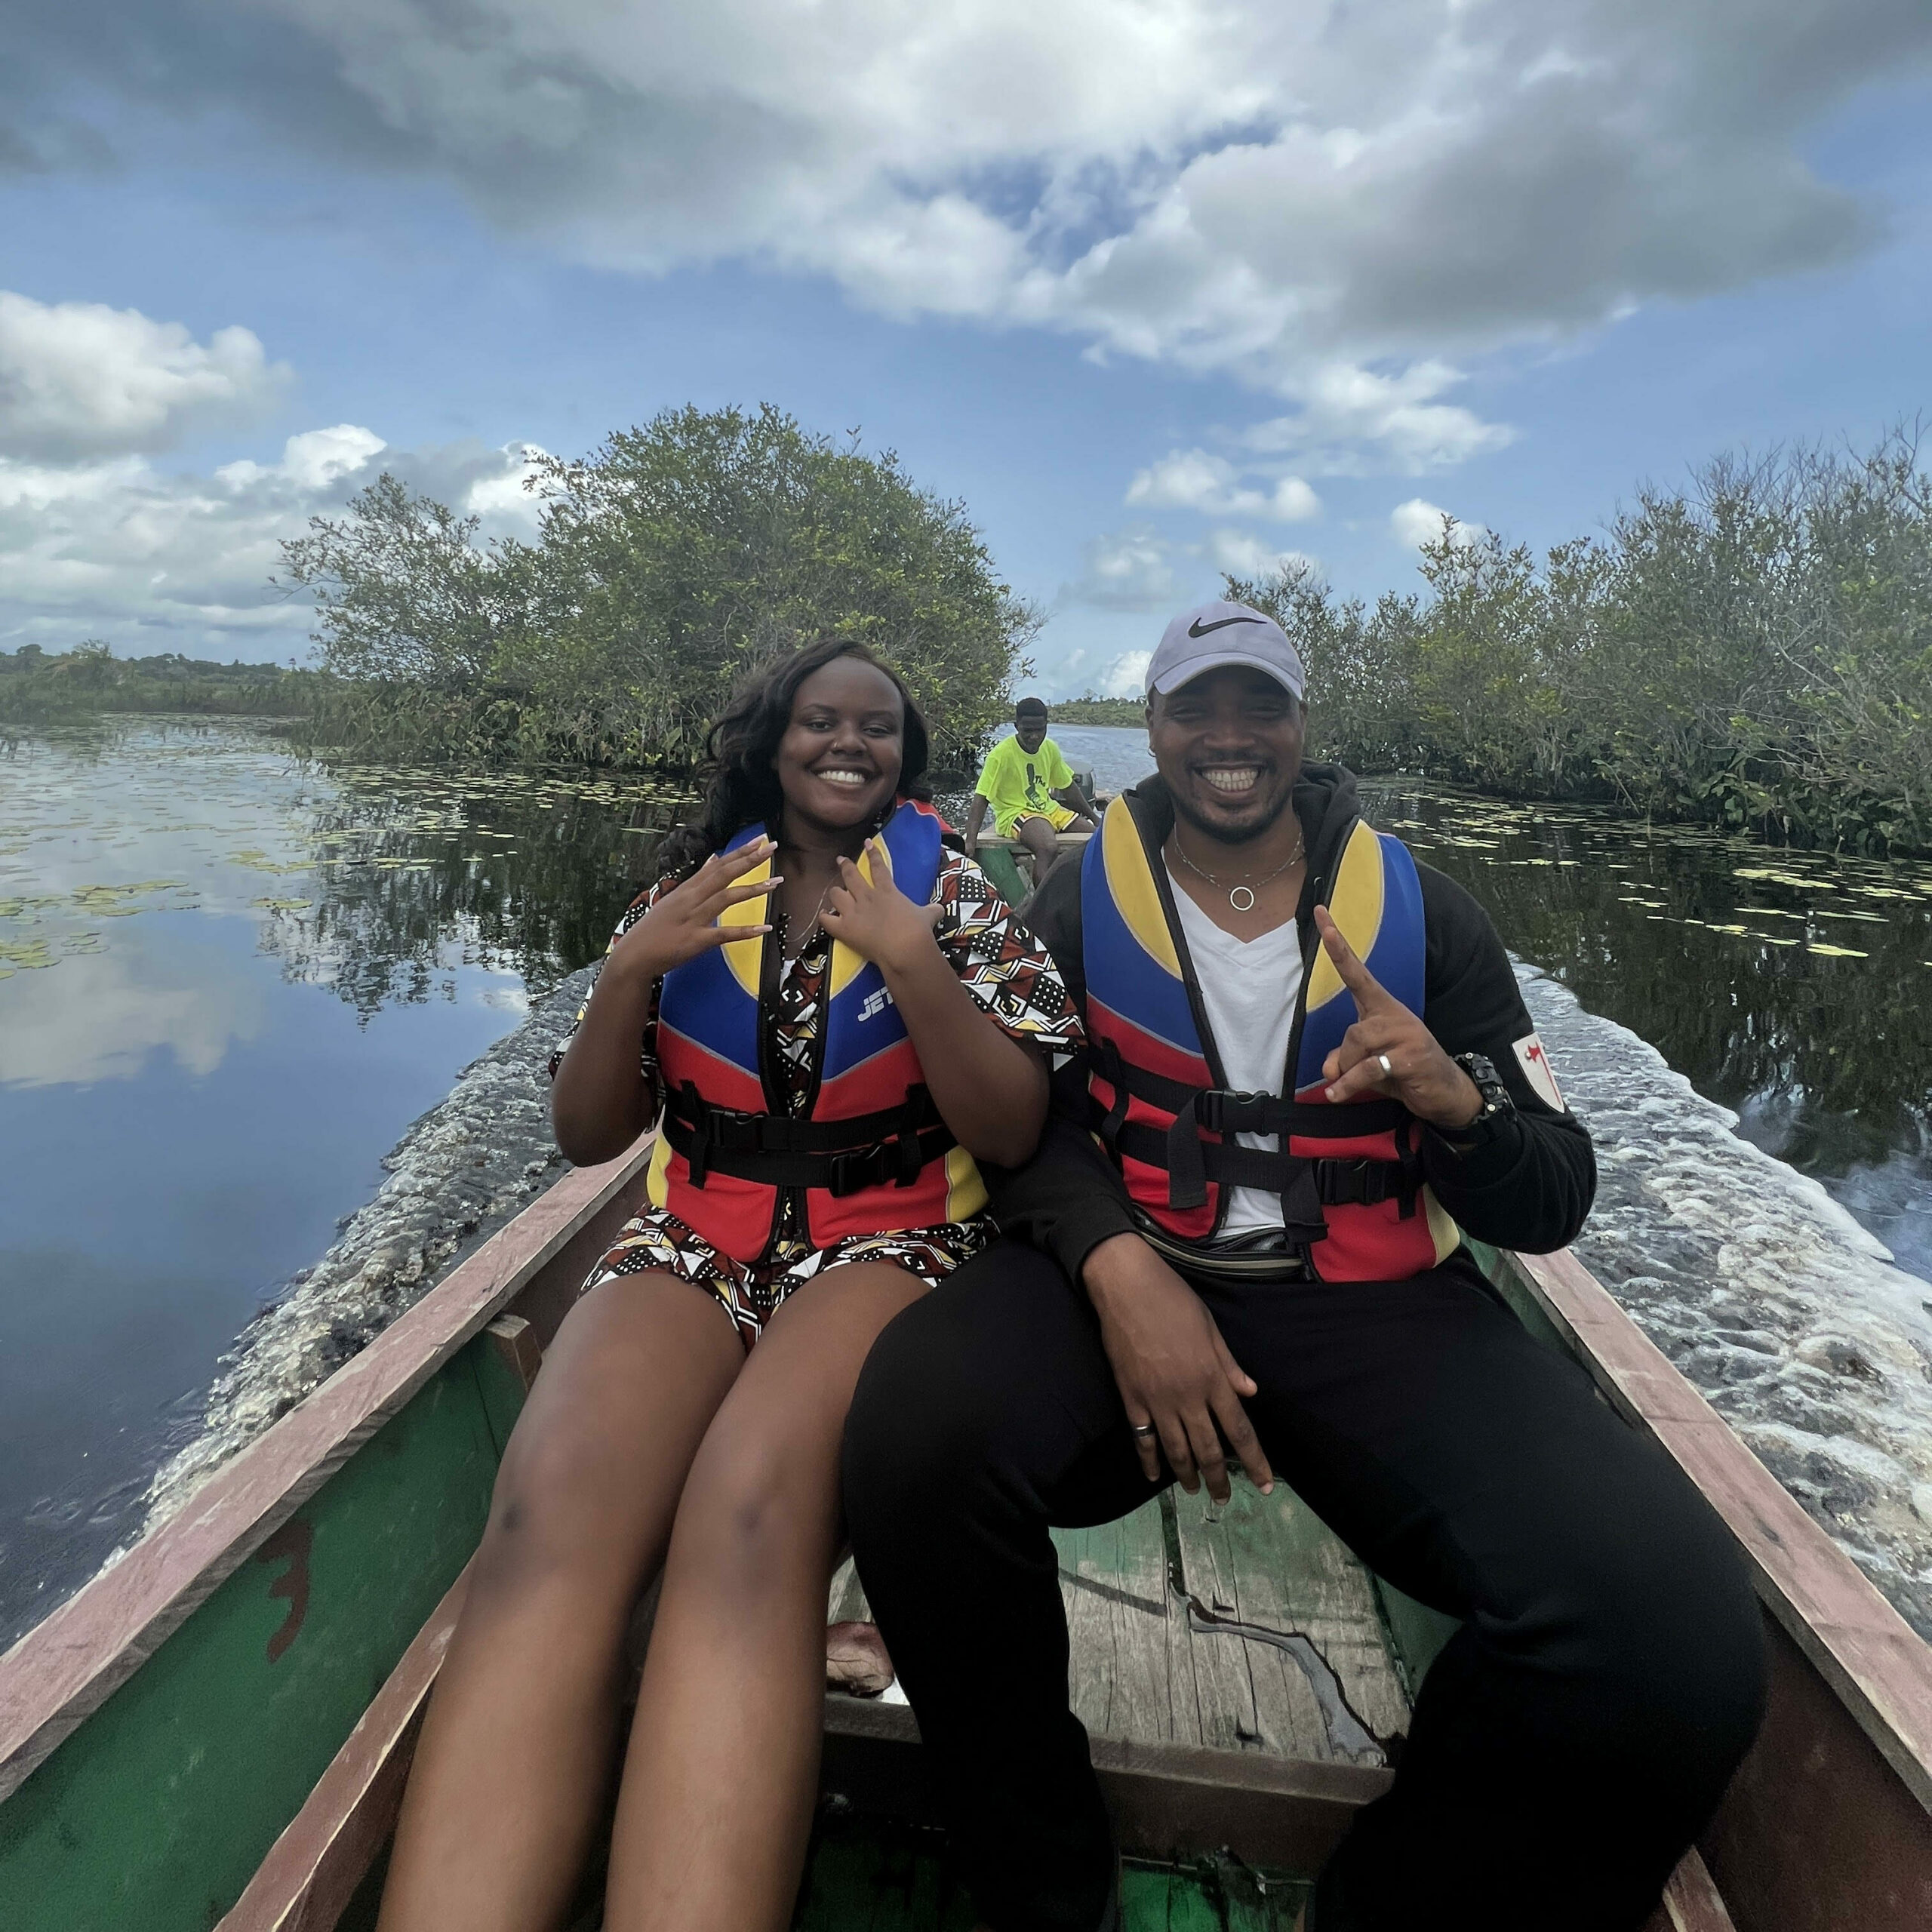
<point>1064,842</point>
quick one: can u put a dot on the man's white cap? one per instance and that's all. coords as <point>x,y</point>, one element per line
<point>1216,634</point>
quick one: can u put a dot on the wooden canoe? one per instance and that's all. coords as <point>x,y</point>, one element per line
<point>215,1731</point>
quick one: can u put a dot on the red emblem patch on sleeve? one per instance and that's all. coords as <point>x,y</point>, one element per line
<point>1534,1060</point>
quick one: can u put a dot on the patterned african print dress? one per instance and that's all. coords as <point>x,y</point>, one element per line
<point>1000,963</point>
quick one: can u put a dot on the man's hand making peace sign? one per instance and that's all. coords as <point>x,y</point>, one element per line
<point>1389,1051</point>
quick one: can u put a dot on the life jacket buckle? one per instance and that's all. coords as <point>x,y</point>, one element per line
<point>905,1144</point>
<point>1350,1183</point>
<point>697,1157</point>
<point>735,1133</point>
<point>852,1172</point>
<point>859,1168</point>
<point>1221,1110</point>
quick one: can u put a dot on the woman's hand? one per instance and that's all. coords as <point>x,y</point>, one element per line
<point>875,919</point>
<point>599,1102</point>
<point>1182,1389</point>
<point>683,922</point>
<point>1389,1051</point>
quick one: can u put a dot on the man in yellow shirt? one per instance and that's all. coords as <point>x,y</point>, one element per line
<point>1030,789</point>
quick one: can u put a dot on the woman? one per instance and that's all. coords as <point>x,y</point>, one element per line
<point>836,1019</point>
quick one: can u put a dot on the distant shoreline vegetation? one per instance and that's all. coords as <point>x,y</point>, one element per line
<point>38,687</point>
<point>1093,710</point>
<point>1755,651</point>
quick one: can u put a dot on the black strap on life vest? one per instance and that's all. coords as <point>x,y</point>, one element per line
<point>1305,1186</point>
<point>844,1157</point>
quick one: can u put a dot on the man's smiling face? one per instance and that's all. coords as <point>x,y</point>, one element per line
<point>1030,730</point>
<point>1228,743</point>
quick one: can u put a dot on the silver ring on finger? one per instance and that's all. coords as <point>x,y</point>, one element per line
<point>1146,1431</point>
<point>1382,1061</point>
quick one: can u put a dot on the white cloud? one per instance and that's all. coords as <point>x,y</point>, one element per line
<point>1139,570</point>
<point>313,460</point>
<point>504,494</point>
<point>1126,675</point>
<point>1241,553</point>
<point>104,1016</point>
<point>155,560</point>
<point>78,380</point>
<point>1195,479</point>
<point>1127,570</point>
<point>1292,195</point>
<point>1419,521</point>
<point>1352,420</point>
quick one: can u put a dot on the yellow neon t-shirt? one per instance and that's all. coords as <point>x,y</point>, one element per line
<point>1015,782</point>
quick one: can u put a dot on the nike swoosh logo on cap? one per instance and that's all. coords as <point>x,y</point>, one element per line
<point>1198,628</point>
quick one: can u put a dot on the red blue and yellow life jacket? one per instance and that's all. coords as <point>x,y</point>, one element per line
<point>1354,1205</point>
<point>871,1151</point>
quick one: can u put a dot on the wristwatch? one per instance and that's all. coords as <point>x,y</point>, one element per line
<point>1497,1099</point>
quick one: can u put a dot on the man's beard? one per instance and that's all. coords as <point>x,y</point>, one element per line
<point>1223,834</point>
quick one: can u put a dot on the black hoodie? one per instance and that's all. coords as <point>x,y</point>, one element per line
<point>1525,1180</point>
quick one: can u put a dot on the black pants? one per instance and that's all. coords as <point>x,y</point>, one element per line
<point>1569,1742</point>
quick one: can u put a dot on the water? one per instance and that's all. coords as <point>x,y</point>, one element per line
<point>1116,757</point>
<point>229,978</point>
<point>238,975</point>
<point>1793,988</point>
<point>1748,1035</point>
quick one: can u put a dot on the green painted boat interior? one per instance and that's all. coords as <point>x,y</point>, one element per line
<point>1249,1628</point>
<point>868,1881</point>
<point>156,1812</point>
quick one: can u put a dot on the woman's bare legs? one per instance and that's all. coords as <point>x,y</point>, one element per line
<point>718,1785</point>
<point>511,1773</point>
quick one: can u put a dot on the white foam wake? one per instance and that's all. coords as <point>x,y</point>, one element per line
<point>460,1172</point>
<point>1786,1315</point>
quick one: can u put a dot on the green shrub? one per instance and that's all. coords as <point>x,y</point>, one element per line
<point>1754,651</point>
<point>669,562</point>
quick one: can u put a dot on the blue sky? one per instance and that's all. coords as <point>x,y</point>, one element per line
<point>1155,288</point>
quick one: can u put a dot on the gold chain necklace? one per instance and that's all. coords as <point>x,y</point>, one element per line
<point>1240,898</point>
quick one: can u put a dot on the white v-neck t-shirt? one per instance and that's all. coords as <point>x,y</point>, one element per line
<point>1249,988</point>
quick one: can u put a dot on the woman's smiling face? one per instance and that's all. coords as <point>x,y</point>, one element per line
<point>839,760</point>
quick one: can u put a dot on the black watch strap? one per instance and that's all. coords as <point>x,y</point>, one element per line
<point>1497,1100</point>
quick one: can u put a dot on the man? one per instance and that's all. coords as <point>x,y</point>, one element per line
<point>1028,787</point>
<point>1244,1229</point>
